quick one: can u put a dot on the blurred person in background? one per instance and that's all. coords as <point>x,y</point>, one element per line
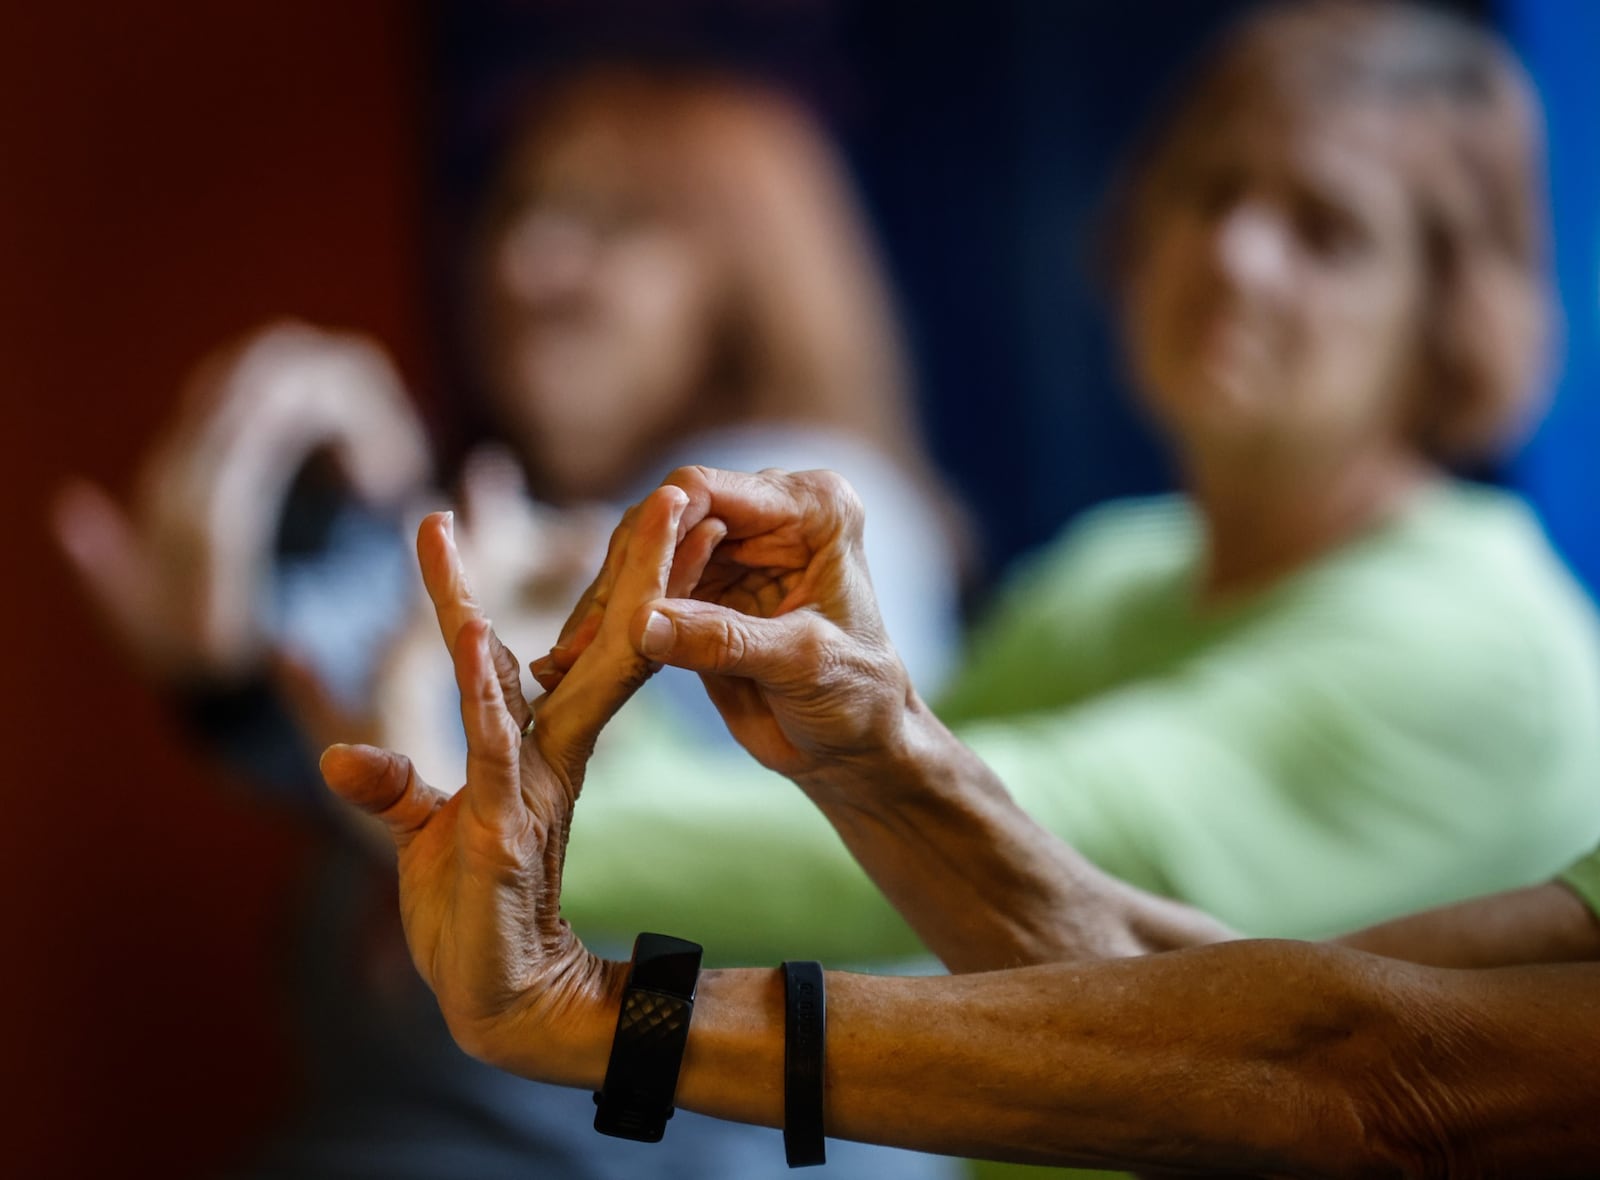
<point>1331,682</point>
<point>673,269</point>
<point>671,265</point>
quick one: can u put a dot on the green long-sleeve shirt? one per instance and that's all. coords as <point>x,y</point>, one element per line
<point>1583,879</point>
<point>1414,719</point>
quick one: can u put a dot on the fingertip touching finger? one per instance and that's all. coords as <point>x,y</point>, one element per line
<point>693,555</point>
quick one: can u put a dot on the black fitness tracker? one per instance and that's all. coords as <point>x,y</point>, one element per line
<point>805,1029</point>
<point>636,1098</point>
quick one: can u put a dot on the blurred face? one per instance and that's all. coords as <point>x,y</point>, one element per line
<point>598,328</point>
<point>1275,303</point>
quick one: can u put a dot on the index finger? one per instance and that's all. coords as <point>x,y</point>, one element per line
<point>455,605</point>
<point>611,669</point>
<point>697,536</point>
<point>799,511</point>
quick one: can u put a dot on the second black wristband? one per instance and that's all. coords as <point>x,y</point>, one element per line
<point>804,1052</point>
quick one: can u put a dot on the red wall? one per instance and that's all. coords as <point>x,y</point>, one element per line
<point>166,181</point>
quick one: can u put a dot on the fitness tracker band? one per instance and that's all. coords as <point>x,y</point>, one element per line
<point>804,1041</point>
<point>636,1098</point>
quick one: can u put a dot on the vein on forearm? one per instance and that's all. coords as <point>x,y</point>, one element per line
<point>1255,1056</point>
<point>981,882</point>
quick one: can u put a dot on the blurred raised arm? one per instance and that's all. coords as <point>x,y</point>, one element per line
<point>177,576</point>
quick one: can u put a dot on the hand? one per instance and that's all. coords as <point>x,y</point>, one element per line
<point>177,577</point>
<point>783,627</point>
<point>529,563</point>
<point>480,871</point>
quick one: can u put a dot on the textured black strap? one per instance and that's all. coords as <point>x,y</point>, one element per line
<point>804,1050</point>
<point>636,1099</point>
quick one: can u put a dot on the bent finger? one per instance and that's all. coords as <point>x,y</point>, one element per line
<point>816,503</point>
<point>611,668</point>
<point>693,555</point>
<point>718,641</point>
<point>579,629</point>
<point>696,536</point>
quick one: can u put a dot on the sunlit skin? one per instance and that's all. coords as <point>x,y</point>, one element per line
<point>1268,1058</point>
<point>1282,320</point>
<point>1273,324</point>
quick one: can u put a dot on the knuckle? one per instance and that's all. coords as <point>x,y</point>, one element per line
<point>692,479</point>
<point>833,494</point>
<point>732,645</point>
<point>829,483</point>
<point>689,473</point>
<point>811,653</point>
<point>391,788</point>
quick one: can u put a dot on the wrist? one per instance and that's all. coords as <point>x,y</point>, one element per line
<point>734,1063</point>
<point>639,1093</point>
<point>559,1034</point>
<point>894,767</point>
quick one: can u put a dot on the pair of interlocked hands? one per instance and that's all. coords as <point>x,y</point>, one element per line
<point>755,581</point>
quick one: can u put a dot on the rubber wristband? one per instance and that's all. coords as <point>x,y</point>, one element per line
<point>804,1051</point>
<point>641,1081</point>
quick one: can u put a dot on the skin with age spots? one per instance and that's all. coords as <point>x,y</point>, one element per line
<point>1266,1057</point>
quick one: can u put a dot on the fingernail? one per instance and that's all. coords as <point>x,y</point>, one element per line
<point>658,636</point>
<point>450,525</point>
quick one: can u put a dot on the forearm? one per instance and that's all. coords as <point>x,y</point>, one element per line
<point>983,884</point>
<point>1542,924</point>
<point>1264,1057</point>
<point>1057,1064</point>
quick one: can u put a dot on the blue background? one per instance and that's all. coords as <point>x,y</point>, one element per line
<point>983,137</point>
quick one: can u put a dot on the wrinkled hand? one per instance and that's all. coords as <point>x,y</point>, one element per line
<point>480,871</point>
<point>783,625</point>
<point>529,563</point>
<point>177,578</point>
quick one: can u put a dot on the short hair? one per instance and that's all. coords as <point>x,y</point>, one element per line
<point>1472,162</point>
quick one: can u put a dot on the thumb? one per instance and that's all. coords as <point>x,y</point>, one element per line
<point>382,784</point>
<point>715,640</point>
<point>98,541</point>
